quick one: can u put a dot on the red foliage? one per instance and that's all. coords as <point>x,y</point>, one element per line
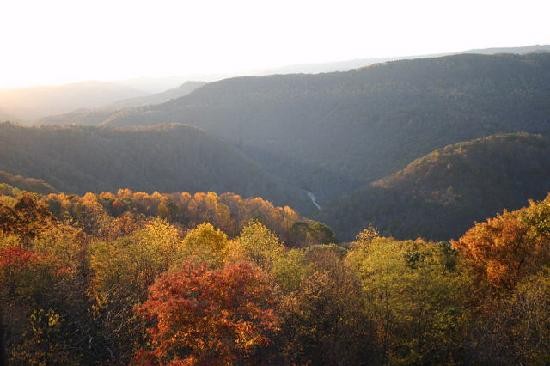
<point>206,317</point>
<point>16,257</point>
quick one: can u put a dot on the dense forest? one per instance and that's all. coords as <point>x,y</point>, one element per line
<point>167,158</point>
<point>135,278</point>
<point>274,183</point>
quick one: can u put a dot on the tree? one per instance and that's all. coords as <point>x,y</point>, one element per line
<point>311,232</point>
<point>290,269</point>
<point>513,329</point>
<point>415,294</point>
<point>510,246</point>
<point>205,243</point>
<point>26,218</point>
<point>37,310</point>
<point>258,244</point>
<point>203,316</point>
<point>324,319</point>
<point>123,270</point>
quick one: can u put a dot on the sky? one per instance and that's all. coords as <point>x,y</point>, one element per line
<point>59,41</point>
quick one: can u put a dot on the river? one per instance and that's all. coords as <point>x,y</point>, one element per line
<point>313,200</point>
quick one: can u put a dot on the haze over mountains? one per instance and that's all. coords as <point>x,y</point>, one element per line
<point>98,115</point>
<point>363,124</point>
<point>33,103</point>
<point>362,62</point>
<point>326,136</point>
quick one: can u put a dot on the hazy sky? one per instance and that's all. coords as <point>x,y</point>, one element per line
<point>57,41</point>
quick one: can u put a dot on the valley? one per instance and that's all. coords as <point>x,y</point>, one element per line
<point>278,183</point>
<point>316,140</point>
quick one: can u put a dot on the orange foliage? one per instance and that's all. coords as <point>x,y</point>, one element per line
<point>26,218</point>
<point>510,246</point>
<point>228,211</point>
<point>210,317</point>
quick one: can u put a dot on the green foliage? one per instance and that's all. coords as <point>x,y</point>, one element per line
<point>205,244</point>
<point>311,232</point>
<point>260,245</point>
<point>290,269</point>
<point>325,322</point>
<point>123,269</point>
<point>416,299</point>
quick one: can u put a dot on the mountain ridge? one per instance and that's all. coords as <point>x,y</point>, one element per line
<point>169,158</point>
<point>364,124</point>
<point>451,188</point>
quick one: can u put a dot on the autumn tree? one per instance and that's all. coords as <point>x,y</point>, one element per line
<point>39,306</point>
<point>310,232</point>
<point>324,319</point>
<point>258,244</point>
<point>415,294</point>
<point>123,270</point>
<point>203,316</point>
<point>510,246</point>
<point>205,244</point>
<point>26,217</point>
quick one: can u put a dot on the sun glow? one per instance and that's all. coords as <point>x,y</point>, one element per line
<point>49,42</point>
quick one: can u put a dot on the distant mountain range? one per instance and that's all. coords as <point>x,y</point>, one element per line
<point>158,98</point>
<point>99,115</point>
<point>31,104</point>
<point>335,131</point>
<point>346,65</point>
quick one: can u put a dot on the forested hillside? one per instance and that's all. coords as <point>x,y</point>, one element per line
<point>131,289</point>
<point>168,158</point>
<point>274,183</point>
<point>112,213</point>
<point>441,194</point>
<point>364,124</point>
